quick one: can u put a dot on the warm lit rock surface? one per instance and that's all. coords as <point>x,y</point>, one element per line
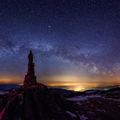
<point>35,103</point>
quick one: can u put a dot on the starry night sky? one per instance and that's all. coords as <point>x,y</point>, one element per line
<point>76,43</point>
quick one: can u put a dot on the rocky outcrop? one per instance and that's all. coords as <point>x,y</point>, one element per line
<point>36,102</point>
<point>30,78</point>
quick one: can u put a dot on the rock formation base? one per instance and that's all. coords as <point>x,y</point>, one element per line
<point>36,102</point>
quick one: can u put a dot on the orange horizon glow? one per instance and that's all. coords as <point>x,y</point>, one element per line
<point>76,83</point>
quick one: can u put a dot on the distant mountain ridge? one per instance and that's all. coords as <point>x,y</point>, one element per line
<point>63,92</point>
<point>8,86</point>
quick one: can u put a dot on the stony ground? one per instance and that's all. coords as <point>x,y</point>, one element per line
<point>39,101</point>
<point>104,106</point>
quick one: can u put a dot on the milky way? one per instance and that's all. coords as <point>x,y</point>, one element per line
<point>67,37</point>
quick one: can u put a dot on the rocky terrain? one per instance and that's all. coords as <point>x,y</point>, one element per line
<point>99,106</point>
<point>38,102</point>
<point>35,103</point>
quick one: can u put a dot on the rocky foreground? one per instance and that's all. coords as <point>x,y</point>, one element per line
<point>40,103</point>
<point>98,106</point>
<point>35,103</point>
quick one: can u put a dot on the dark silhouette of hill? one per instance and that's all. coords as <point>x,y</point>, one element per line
<point>114,89</point>
<point>64,92</point>
<point>36,102</point>
<point>8,86</point>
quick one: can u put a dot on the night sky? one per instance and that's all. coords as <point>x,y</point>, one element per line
<point>76,43</point>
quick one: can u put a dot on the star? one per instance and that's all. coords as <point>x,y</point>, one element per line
<point>49,26</point>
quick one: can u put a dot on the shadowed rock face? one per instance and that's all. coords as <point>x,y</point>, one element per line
<point>34,103</point>
<point>30,78</point>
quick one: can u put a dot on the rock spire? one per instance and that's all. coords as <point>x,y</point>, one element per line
<point>30,78</point>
